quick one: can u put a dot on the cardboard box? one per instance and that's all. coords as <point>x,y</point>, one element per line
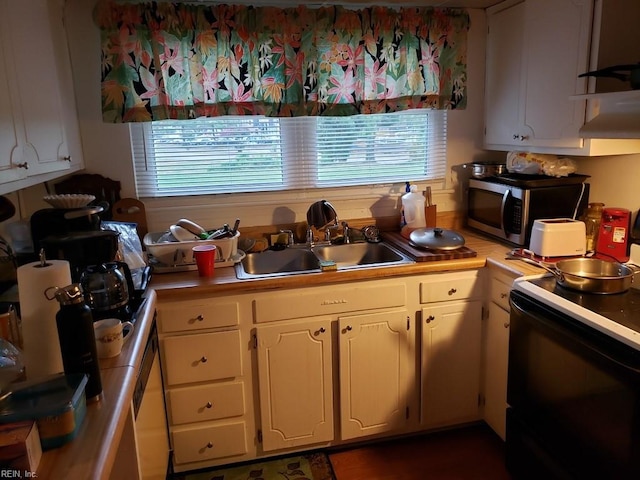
<point>20,449</point>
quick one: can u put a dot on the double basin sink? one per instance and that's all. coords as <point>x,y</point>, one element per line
<point>298,260</point>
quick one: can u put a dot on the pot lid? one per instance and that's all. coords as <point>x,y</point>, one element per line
<point>437,238</point>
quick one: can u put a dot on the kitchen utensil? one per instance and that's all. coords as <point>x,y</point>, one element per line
<point>108,289</point>
<point>625,73</point>
<point>589,275</point>
<point>71,200</point>
<point>436,238</point>
<point>192,227</point>
<point>111,336</point>
<point>430,212</point>
<point>486,169</point>
<point>7,209</point>
<point>182,234</point>
<point>558,237</point>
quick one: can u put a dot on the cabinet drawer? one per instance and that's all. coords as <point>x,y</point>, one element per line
<point>206,443</point>
<point>328,301</point>
<point>500,289</point>
<point>206,402</point>
<point>184,316</point>
<point>447,287</point>
<point>202,357</point>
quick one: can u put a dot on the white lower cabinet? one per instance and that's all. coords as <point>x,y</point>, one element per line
<point>376,366</point>
<point>296,383</point>
<point>496,355</point>
<point>270,372</point>
<point>451,334</point>
<point>206,362</point>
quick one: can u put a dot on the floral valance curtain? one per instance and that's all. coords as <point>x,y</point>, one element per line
<point>168,60</point>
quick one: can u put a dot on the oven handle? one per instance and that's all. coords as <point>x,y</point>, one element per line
<point>503,207</point>
<point>570,330</point>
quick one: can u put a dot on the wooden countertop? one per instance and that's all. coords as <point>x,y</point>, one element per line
<point>169,286</point>
<point>92,453</point>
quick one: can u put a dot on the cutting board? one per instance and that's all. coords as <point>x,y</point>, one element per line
<point>422,255</point>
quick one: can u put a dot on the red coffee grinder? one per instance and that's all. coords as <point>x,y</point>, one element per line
<point>613,237</point>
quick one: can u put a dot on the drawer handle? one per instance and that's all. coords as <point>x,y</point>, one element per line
<point>349,328</point>
<point>430,318</point>
<point>209,445</point>
<point>209,405</point>
<point>200,318</point>
<point>203,359</point>
<point>452,291</point>
<point>506,324</point>
<point>504,295</point>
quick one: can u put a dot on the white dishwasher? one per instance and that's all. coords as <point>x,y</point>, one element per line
<point>151,431</point>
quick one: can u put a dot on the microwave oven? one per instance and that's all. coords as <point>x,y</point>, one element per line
<point>507,210</point>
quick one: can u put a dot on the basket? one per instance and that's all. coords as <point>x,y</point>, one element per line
<point>180,253</point>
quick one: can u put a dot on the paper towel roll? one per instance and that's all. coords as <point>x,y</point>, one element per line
<point>39,331</point>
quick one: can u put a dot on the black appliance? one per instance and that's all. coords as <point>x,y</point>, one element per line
<point>74,235</point>
<point>573,383</point>
<point>505,206</point>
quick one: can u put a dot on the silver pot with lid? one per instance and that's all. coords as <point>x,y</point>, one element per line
<point>486,169</point>
<point>436,239</point>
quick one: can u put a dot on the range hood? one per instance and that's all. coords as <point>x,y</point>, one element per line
<point>617,115</point>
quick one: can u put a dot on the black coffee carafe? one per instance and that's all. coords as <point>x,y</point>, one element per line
<point>108,289</point>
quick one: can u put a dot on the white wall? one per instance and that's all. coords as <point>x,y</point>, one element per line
<point>107,146</point>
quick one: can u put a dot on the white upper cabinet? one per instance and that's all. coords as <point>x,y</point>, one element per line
<point>40,137</point>
<point>535,52</point>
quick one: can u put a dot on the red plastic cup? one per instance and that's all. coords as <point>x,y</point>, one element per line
<point>205,256</point>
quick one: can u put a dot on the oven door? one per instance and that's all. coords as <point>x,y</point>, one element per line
<point>499,210</point>
<point>574,395</point>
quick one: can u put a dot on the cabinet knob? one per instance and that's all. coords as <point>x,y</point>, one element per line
<point>209,405</point>
<point>67,158</point>
<point>349,328</point>
<point>203,359</point>
<point>452,291</point>
<point>430,318</point>
<point>322,330</point>
<point>209,445</point>
<point>24,165</point>
<point>504,295</point>
<point>522,138</point>
<point>506,324</point>
<point>200,318</point>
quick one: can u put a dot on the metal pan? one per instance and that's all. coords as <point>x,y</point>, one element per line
<point>590,275</point>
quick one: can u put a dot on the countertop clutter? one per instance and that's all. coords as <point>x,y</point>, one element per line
<point>92,454</point>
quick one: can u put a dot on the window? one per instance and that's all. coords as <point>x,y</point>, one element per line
<point>256,154</point>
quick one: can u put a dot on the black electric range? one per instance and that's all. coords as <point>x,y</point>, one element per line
<point>617,315</point>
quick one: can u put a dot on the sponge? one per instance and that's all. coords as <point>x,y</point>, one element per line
<point>328,265</point>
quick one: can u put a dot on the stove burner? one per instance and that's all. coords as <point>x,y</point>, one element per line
<point>622,308</point>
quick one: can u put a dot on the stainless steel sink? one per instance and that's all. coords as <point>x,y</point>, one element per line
<point>293,261</point>
<point>359,254</point>
<point>272,263</point>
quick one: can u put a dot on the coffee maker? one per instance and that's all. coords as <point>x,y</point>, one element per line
<point>73,235</point>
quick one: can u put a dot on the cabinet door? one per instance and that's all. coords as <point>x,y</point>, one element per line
<point>451,358</point>
<point>295,378</point>
<point>10,121</point>
<point>39,86</point>
<point>496,362</point>
<point>535,52</point>
<point>376,356</point>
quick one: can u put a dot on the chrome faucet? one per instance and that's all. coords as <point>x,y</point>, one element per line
<point>345,232</point>
<point>322,216</point>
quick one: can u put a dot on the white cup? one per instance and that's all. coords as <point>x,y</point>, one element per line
<point>110,336</point>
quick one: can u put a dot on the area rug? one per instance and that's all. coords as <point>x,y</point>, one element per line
<point>313,466</point>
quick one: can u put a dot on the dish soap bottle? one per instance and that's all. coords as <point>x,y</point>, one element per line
<point>413,211</point>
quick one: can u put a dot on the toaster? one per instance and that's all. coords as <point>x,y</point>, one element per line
<point>558,237</point>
